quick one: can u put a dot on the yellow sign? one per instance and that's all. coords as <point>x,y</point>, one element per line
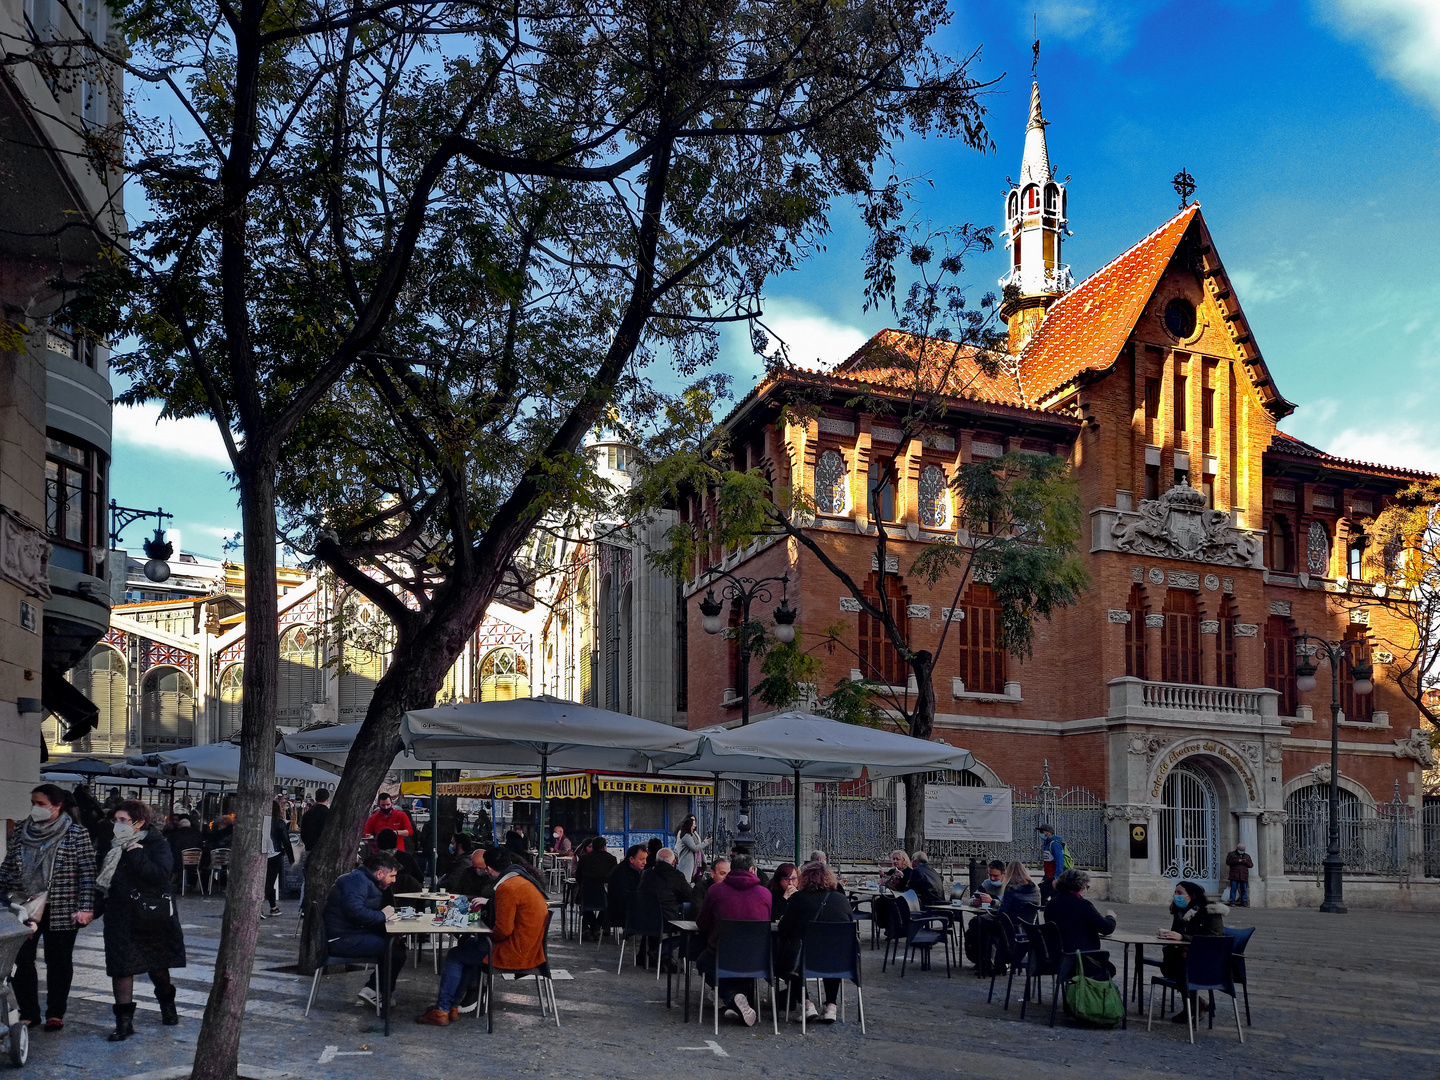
<point>571,786</point>
<point>653,787</point>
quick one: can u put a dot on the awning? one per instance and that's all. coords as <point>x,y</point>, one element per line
<point>520,788</point>
<point>80,714</point>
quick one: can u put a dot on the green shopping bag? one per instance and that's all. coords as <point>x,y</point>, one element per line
<point>1095,1001</point>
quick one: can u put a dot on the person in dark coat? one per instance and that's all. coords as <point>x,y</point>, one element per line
<point>818,900</point>
<point>277,851</point>
<point>783,884</point>
<point>739,896</point>
<point>184,837</point>
<point>134,877</point>
<point>666,887</point>
<point>592,876</point>
<point>355,917</point>
<point>515,842</point>
<point>1080,924</point>
<point>1238,865</point>
<point>460,848</point>
<point>624,880</point>
<point>1020,898</point>
<point>312,822</point>
<point>1192,915</point>
<point>388,842</point>
<point>707,879</point>
<point>927,886</point>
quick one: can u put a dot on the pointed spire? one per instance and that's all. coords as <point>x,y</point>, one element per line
<point>1035,166</point>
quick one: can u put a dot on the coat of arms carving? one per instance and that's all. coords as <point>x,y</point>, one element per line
<point>1179,525</point>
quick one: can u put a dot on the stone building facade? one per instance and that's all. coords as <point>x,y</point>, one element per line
<point>1213,539</point>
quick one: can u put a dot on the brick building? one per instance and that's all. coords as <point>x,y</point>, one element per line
<point>1169,690</point>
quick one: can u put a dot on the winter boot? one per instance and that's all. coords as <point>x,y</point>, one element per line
<point>165,995</point>
<point>124,1022</point>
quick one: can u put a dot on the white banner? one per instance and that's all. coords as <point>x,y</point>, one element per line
<point>967,813</point>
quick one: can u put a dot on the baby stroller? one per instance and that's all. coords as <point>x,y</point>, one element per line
<point>14,1033</point>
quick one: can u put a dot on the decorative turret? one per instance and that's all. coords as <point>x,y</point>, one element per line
<point>1034,228</point>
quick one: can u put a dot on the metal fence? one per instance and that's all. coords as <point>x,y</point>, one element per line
<point>856,822</point>
<point>1387,840</point>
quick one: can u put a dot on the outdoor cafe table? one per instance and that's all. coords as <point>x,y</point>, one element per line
<point>429,898</point>
<point>1139,939</point>
<point>422,925</point>
<point>686,928</point>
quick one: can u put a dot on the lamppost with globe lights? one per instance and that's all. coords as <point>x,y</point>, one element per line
<point>1308,647</point>
<point>745,591</point>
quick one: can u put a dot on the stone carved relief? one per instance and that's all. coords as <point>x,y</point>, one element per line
<point>952,614</point>
<point>1131,812</point>
<point>1212,582</point>
<point>1184,579</point>
<point>1417,747</point>
<point>1155,620</point>
<point>831,426</point>
<point>892,563</point>
<point>1280,607</point>
<point>1157,576</point>
<point>1178,525</point>
<point>1118,616</point>
<point>1321,774</point>
<point>1274,754</point>
<point>1251,750</point>
<point>1137,574</point>
<point>1147,745</point>
<point>1228,584</point>
<point>24,555</point>
<point>917,611</point>
<point>1274,817</point>
<point>849,603</point>
<point>1209,626</point>
<point>1246,629</point>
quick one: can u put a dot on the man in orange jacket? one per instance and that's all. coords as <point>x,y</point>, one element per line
<point>517,941</point>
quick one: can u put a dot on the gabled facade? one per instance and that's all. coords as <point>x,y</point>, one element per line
<point>1169,690</point>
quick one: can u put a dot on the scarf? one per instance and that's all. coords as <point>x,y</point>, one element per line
<point>112,860</point>
<point>39,845</point>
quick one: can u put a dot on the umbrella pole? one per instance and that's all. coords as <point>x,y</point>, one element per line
<point>544,783</point>
<point>434,829</point>
<point>797,817</point>
<point>715,820</point>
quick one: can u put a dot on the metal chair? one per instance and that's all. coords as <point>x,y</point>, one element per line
<point>1207,968</point>
<point>832,951</point>
<point>917,932</point>
<point>544,984</point>
<point>365,962</point>
<point>594,900</point>
<point>219,864</point>
<point>1241,938</point>
<point>643,920</point>
<point>1016,947</point>
<point>1043,958</point>
<point>742,951</point>
<point>190,860</point>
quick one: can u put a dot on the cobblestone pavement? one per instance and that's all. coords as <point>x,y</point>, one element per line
<point>1351,996</point>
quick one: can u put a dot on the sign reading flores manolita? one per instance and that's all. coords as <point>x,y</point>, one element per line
<point>962,813</point>
<point>572,786</point>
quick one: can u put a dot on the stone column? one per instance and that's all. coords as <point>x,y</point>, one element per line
<point>1271,889</point>
<point>1154,637</point>
<point>1248,834</point>
<point>1209,652</point>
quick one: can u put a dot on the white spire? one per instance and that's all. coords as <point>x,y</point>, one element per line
<point>1035,166</point>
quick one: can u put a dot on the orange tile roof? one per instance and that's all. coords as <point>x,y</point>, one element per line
<point>892,358</point>
<point>1293,447</point>
<point>1087,327</point>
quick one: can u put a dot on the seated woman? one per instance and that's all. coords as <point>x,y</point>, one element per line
<point>784,883</point>
<point>898,876</point>
<point>817,900</point>
<point>1192,915</point>
<point>1020,897</point>
<point>1080,924</point>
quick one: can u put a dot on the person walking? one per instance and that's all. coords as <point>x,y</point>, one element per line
<point>275,846</point>
<point>689,848</point>
<point>1239,864</point>
<point>142,925</point>
<point>51,863</point>
<point>1052,860</point>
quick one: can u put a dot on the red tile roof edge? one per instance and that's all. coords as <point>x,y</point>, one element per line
<point>1302,449</point>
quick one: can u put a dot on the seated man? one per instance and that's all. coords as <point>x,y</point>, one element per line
<point>412,878</point>
<point>666,888</point>
<point>991,888</point>
<point>592,875</point>
<point>703,883</point>
<point>739,896</point>
<point>929,889</point>
<point>624,881</point>
<point>355,917</point>
<point>516,942</point>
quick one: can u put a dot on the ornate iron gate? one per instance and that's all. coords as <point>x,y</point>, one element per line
<point>1190,828</point>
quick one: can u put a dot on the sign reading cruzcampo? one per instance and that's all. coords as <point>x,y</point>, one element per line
<point>653,787</point>
<point>570,786</point>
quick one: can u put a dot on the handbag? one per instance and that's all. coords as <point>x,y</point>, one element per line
<point>1095,1001</point>
<point>151,914</point>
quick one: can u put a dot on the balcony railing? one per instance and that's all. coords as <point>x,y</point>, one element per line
<point>1131,697</point>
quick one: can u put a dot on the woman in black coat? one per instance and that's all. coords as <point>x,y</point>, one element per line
<point>818,900</point>
<point>142,925</point>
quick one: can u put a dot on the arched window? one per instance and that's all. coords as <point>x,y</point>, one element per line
<point>1280,662</point>
<point>1032,197</point>
<point>1355,706</point>
<point>1135,658</point>
<point>831,489</point>
<point>1052,198</point>
<point>167,710</point>
<point>1013,205</point>
<point>1180,652</point>
<point>299,676</point>
<point>364,656</point>
<point>1225,667</point>
<point>1280,546</point>
<point>934,497</point>
<point>1317,549</point>
<point>1307,830</point>
<point>982,660</point>
<point>101,678</point>
<point>504,676</point>
<point>232,699</point>
<point>879,658</point>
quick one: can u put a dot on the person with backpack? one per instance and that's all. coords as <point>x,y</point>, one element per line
<point>1052,860</point>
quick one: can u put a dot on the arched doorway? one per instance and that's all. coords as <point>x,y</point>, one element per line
<point>1189,832</point>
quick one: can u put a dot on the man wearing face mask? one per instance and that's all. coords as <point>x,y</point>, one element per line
<point>1239,864</point>
<point>50,869</point>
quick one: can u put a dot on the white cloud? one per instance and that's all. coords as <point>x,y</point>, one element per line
<point>813,339</point>
<point>193,438</point>
<point>1102,27</point>
<point>1404,36</point>
<point>1409,446</point>
<point>1271,282</point>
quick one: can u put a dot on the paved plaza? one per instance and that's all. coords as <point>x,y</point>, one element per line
<point>1351,996</point>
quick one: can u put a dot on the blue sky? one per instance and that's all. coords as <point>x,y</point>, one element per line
<point>1312,128</point>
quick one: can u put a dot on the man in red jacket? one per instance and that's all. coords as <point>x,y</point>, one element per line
<point>388,816</point>
<point>739,896</point>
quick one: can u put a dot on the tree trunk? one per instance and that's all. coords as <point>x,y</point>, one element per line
<point>922,724</point>
<point>217,1049</point>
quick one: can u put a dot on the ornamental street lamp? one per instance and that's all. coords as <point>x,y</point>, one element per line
<point>1361,671</point>
<point>745,591</point>
<point>157,549</point>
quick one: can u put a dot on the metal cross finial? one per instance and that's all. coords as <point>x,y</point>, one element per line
<point>1184,185</point>
<point>1035,48</point>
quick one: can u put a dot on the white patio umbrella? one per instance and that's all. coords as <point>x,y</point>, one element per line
<point>332,744</point>
<point>544,731</point>
<point>221,761</point>
<point>800,745</point>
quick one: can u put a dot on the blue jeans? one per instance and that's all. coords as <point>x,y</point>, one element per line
<point>1240,889</point>
<point>370,946</point>
<point>463,967</point>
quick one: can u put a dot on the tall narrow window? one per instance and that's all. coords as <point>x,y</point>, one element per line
<point>982,660</point>
<point>167,710</point>
<point>1181,405</point>
<point>880,661</point>
<point>1280,662</point>
<point>1280,545</point>
<point>1180,653</point>
<point>1152,398</point>
<point>299,676</point>
<point>1135,634</point>
<point>880,493</point>
<point>1152,482</point>
<point>1355,706</point>
<point>1225,667</point>
<point>1207,409</point>
<point>1355,565</point>
<point>934,498</point>
<point>830,486</point>
<point>232,701</point>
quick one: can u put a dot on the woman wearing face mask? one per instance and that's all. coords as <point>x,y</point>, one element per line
<point>1192,915</point>
<point>51,865</point>
<point>134,874</point>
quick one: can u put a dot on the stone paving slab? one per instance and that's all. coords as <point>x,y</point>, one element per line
<point>1352,996</point>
